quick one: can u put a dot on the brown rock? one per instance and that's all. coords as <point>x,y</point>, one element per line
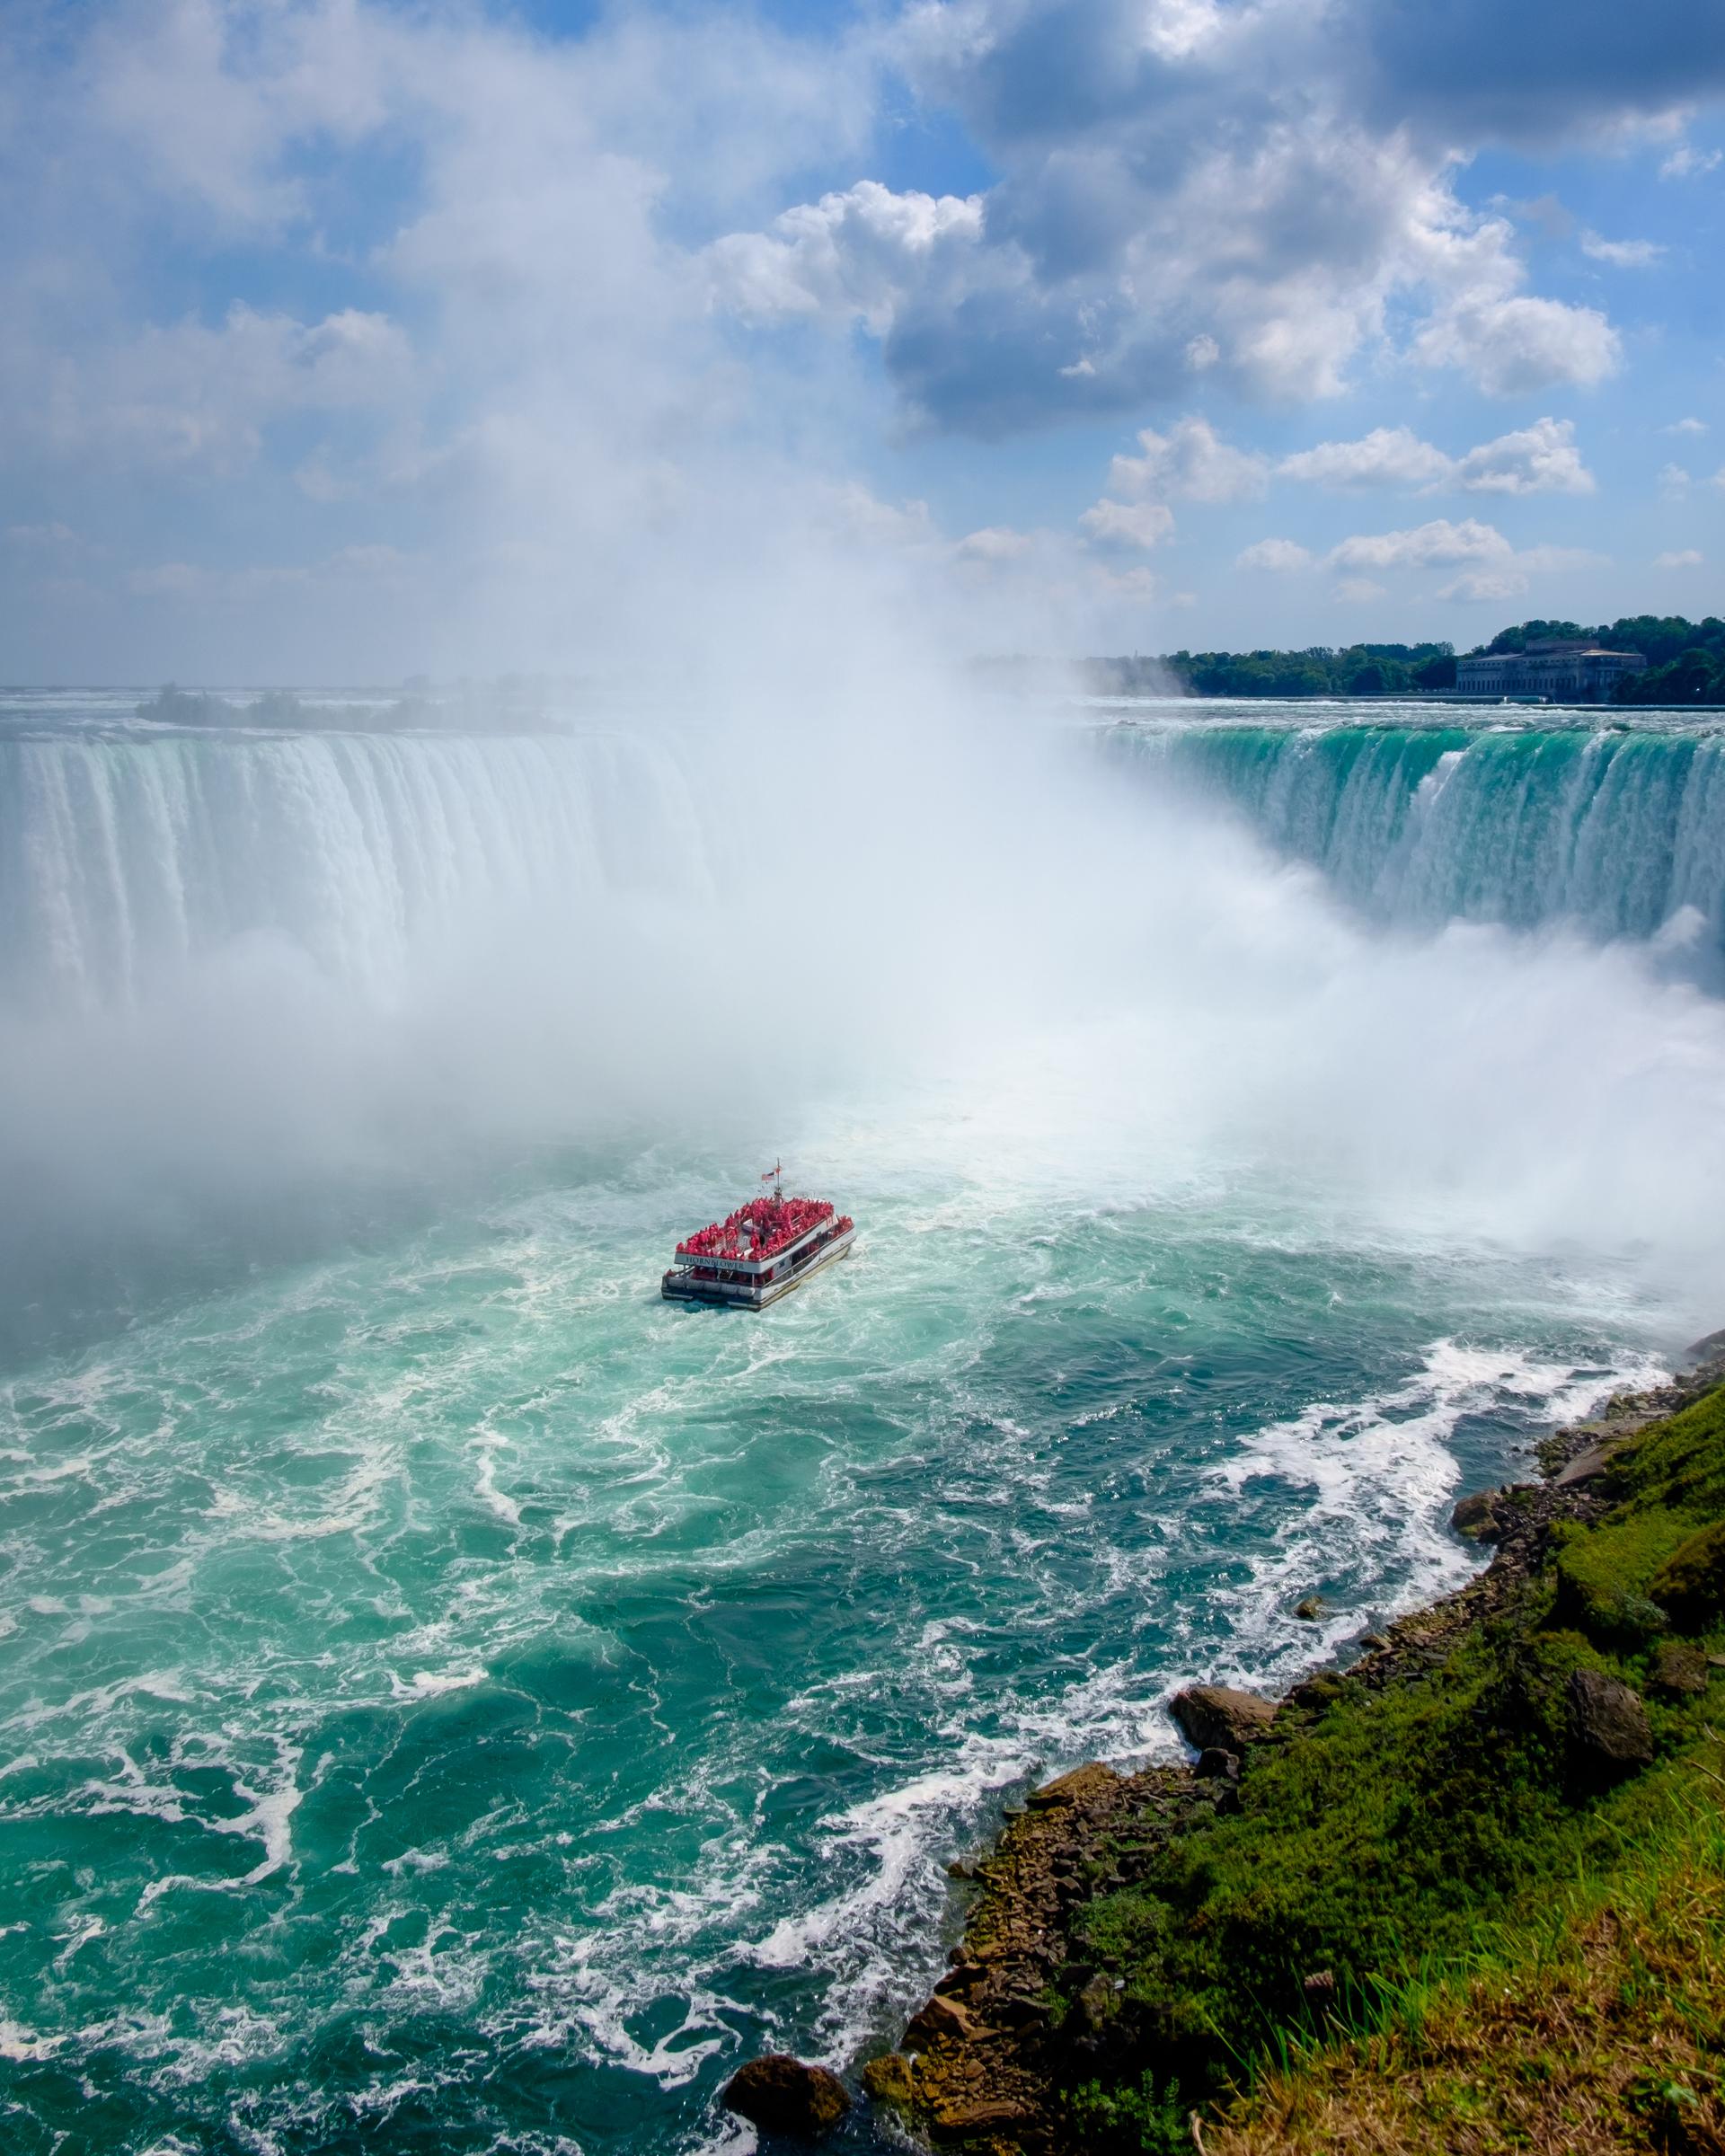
<point>941,2017</point>
<point>957,2122</point>
<point>1214,1761</point>
<point>1080,1787</point>
<point>1310,1610</point>
<point>1678,1668</point>
<point>1477,1518</point>
<point>889,2079</point>
<point>1213,1715</point>
<point>1608,1722</point>
<point>787,2095</point>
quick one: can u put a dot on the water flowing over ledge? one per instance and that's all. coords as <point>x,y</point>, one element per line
<point>1620,831</point>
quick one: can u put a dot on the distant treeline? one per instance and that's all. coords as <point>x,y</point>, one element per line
<point>1685,661</point>
<point>1685,664</point>
<point>1319,670</point>
<point>500,707</point>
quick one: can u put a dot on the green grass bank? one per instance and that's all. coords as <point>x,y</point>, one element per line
<point>1465,1896</point>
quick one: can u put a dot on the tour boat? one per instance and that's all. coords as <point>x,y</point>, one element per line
<point>760,1252</point>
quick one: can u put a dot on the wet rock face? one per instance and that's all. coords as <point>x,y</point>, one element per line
<point>787,2095</point>
<point>1217,1719</point>
<point>1609,1722</point>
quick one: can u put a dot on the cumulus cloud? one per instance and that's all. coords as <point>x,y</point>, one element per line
<point>863,254</point>
<point>1686,557</point>
<point>994,542</point>
<point>1189,463</point>
<point>1686,425</point>
<point>1388,456</point>
<point>1514,344</point>
<point>1183,189</point>
<point>1539,459</point>
<point>1128,523</point>
<point>1492,567</point>
<point>1281,556</point>
<point>1437,544</point>
<point>1360,591</point>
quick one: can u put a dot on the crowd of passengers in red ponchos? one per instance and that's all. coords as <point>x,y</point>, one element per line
<point>760,1229</point>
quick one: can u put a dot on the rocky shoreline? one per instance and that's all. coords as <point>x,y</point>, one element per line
<point>1021,2014</point>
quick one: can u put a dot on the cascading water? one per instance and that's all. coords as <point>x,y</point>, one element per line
<point>452,1698</point>
<point>1613,829</point>
<point>122,861</point>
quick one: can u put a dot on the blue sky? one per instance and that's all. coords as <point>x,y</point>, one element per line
<point>348,339</point>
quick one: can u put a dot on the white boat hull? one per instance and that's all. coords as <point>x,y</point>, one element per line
<point>681,1285</point>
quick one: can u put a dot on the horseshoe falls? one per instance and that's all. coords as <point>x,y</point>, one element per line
<point>453,1701</point>
<point>1618,830</point>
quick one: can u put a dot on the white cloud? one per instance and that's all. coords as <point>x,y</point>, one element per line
<point>1686,557</point>
<point>1492,569</point>
<point>1687,163</point>
<point>1189,463</point>
<point>1540,459</point>
<point>1673,481</point>
<point>994,542</point>
<point>1388,456</point>
<point>1128,524</point>
<point>1282,556</point>
<point>1439,544</point>
<point>1622,254</point>
<point>855,255</point>
<point>1360,591</point>
<point>1239,202</point>
<point>1514,345</point>
<point>1689,426</point>
<point>1478,584</point>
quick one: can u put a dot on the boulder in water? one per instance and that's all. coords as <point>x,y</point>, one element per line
<point>787,2095</point>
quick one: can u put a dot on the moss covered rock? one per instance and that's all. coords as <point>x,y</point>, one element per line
<point>1691,1583</point>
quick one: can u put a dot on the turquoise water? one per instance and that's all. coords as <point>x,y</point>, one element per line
<point>452,1701</point>
<point>1616,825</point>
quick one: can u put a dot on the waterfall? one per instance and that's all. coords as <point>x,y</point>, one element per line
<point>123,859</point>
<point>1614,831</point>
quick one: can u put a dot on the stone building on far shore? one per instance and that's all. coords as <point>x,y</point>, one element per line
<point>1567,670</point>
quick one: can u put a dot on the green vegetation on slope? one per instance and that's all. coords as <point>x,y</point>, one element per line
<point>1415,1866</point>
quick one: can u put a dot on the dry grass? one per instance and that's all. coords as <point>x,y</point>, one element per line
<point>1606,2035</point>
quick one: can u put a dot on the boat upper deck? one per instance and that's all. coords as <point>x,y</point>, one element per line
<point>760,1230</point>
